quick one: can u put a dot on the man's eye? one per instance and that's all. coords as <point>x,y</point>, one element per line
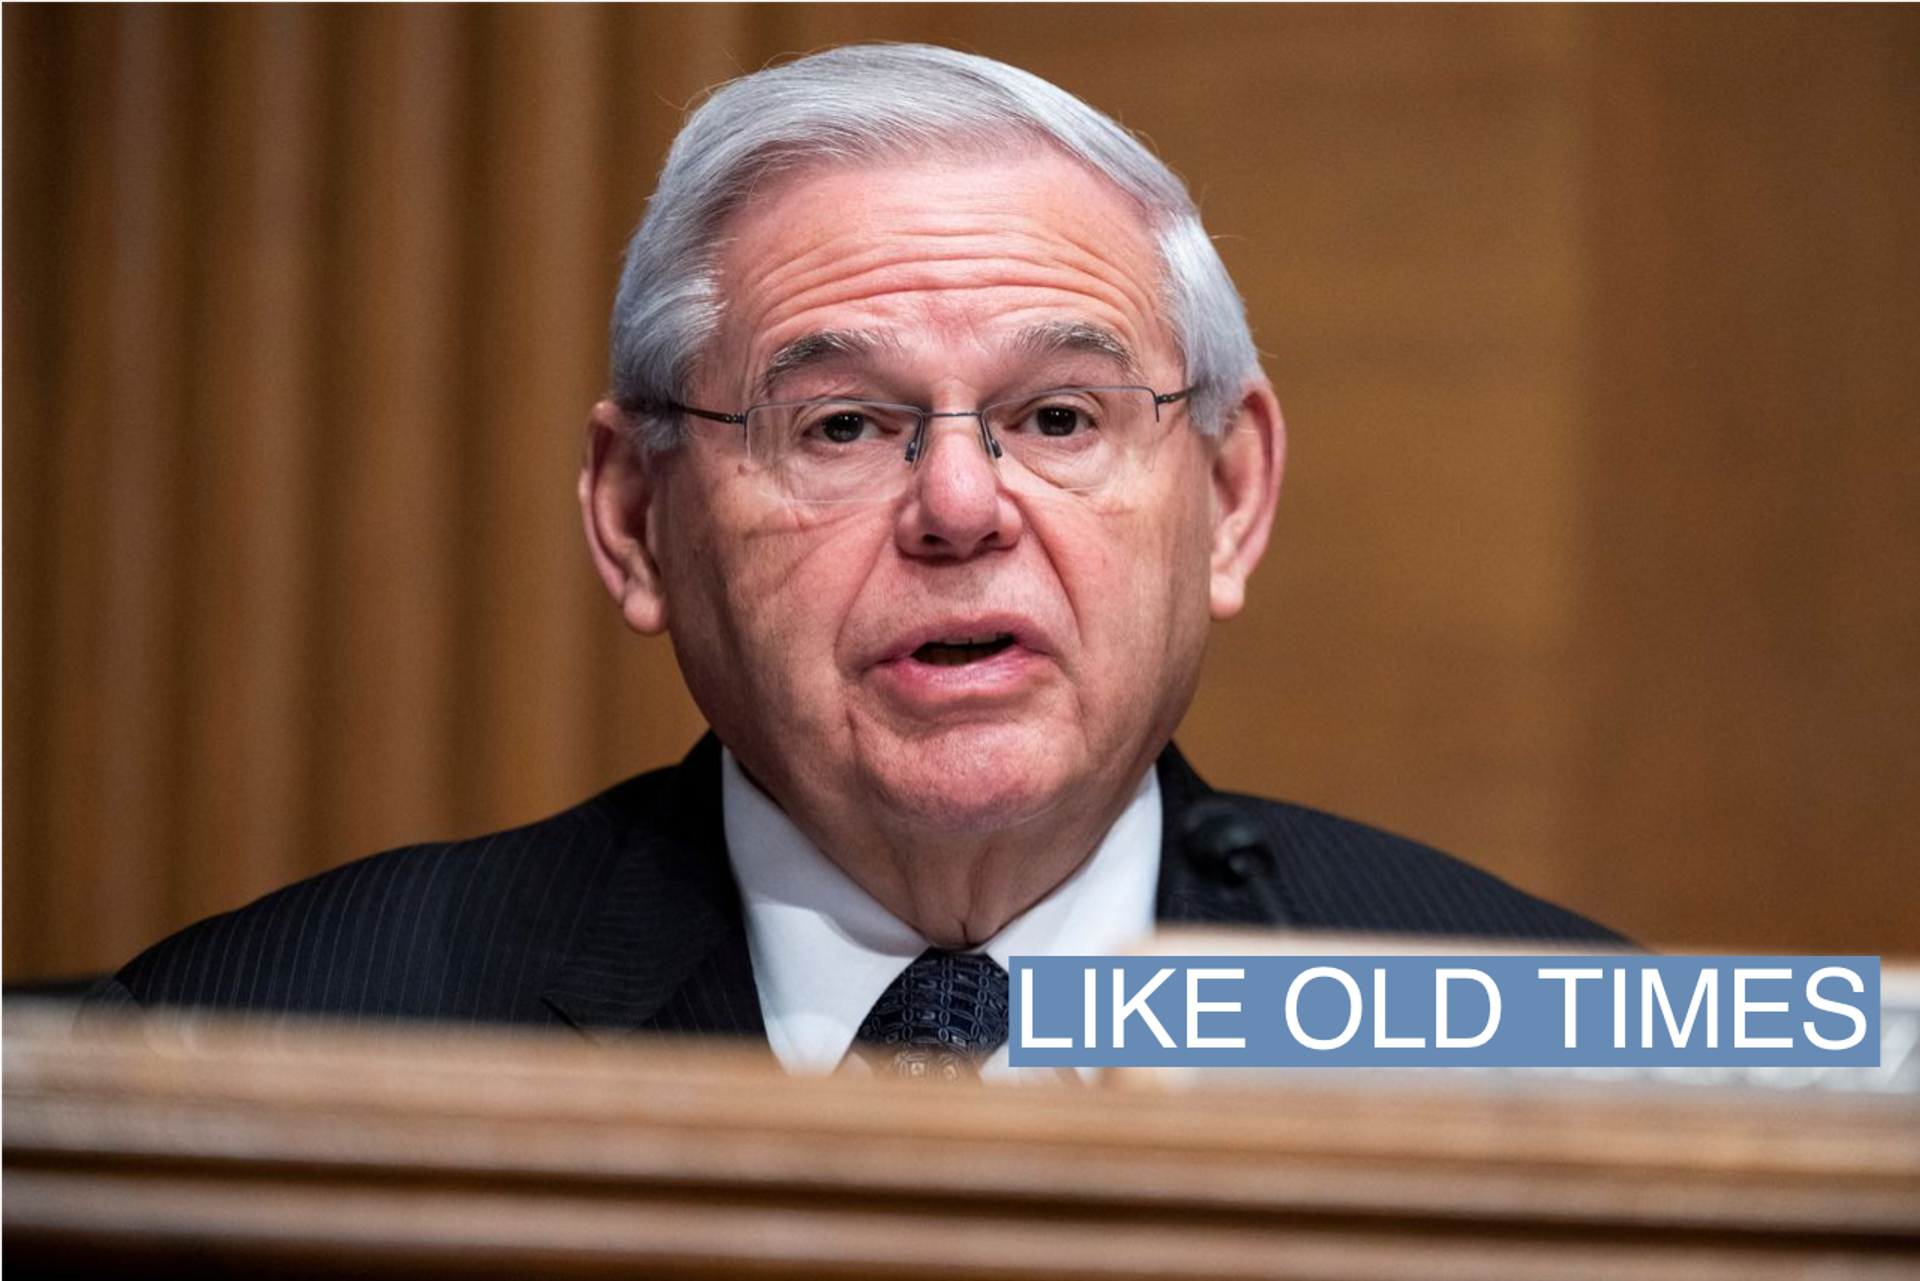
<point>844,427</point>
<point>1058,420</point>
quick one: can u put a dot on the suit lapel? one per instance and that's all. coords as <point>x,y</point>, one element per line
<point>666,948</point>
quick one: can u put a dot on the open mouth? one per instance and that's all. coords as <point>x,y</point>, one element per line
<point>958,653</point>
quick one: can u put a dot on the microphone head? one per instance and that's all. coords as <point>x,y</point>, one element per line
<point>1224,840</point>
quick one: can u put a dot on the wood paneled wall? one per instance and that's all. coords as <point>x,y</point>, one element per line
<point>1599,556</point>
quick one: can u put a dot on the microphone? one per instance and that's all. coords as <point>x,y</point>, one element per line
<point>1225,842</point>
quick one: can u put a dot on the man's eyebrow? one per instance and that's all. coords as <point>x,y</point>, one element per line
<point>1078,336</point>
<point>1059,337</point>
<point>814,349</point>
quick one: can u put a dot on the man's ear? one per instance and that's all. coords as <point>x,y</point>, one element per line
<point>1247,465</point>
<point>618,499</point>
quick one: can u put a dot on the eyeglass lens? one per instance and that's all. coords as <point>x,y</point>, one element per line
<point>1076,438</point>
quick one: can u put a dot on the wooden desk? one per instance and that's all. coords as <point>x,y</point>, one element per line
<point>196,1147</point>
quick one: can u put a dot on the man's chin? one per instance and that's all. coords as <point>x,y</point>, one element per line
<point>970,787</point>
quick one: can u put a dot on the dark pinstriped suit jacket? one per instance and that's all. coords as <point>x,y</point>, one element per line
<point>621,914</point>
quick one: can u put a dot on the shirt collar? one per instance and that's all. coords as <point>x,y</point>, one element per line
<point>824,949</point>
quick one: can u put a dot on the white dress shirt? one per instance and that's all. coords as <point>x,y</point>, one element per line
<point>824,949</point>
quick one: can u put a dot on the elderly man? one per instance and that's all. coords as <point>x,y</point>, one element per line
<point>937,439</point>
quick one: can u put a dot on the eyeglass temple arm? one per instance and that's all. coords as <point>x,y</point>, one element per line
<point>735,420</point>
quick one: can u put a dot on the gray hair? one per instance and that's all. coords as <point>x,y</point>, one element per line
<point>863,103</point>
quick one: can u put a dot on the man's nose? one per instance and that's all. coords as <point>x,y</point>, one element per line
<point>956,507</point>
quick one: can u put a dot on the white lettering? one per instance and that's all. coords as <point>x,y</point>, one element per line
<point>1293,1007</point>
<point>1619,1009</point>
<point>1195,1005</point>
<point>1122,1007</point>
<point>1440,1038</point>
<point>1742,1007</point>
<point>1652,988</point>
<point>1380,1038</point>
<point>1572,979</point>
<point>1835,1007</point>
<point>1028,1041</point>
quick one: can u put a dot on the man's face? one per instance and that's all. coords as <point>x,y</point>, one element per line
<point>810,635</point>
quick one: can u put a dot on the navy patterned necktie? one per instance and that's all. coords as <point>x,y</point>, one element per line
<point>941,1018</point>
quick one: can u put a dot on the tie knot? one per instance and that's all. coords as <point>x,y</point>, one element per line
<point>941,1017</point>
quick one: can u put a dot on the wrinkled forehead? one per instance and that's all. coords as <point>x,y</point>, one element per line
<point>1007,246</point>
<point>776,170</point>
